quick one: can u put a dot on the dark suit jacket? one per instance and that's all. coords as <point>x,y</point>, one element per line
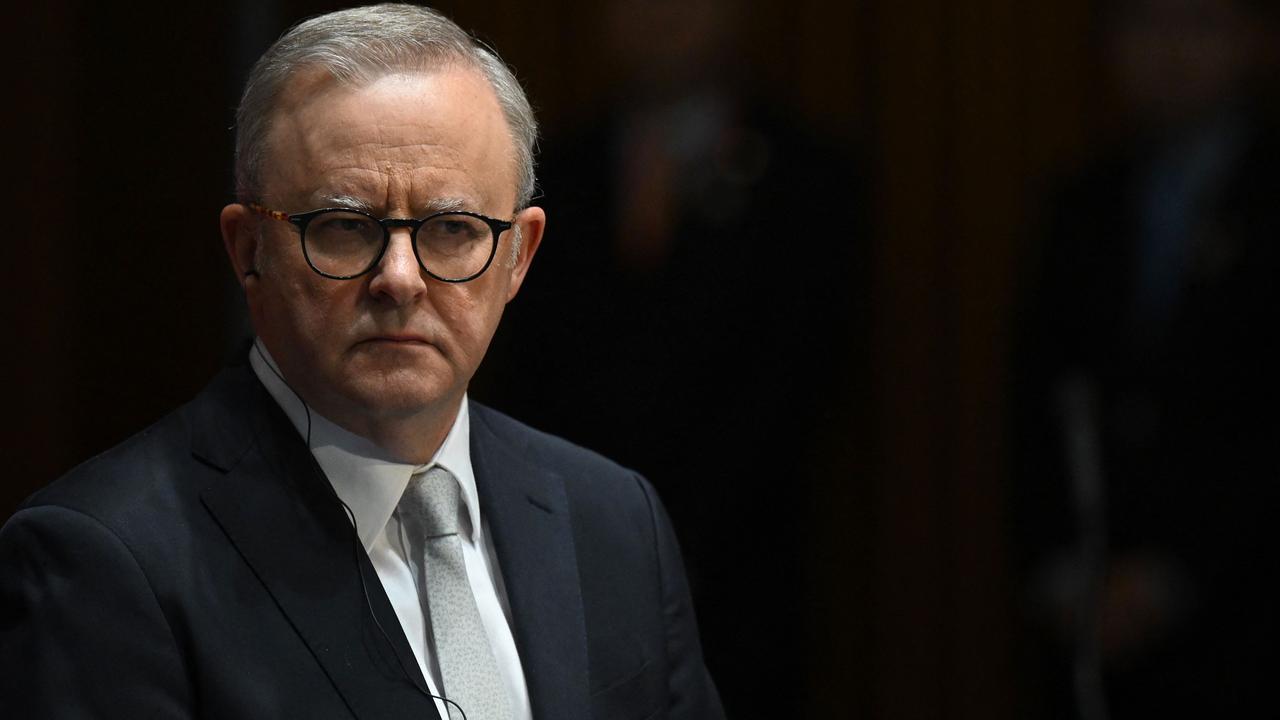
<point>205,568</point>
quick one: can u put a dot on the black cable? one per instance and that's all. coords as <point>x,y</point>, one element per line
<point>356,548</point>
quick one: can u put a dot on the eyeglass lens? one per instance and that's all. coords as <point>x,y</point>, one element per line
<point>450,245</point>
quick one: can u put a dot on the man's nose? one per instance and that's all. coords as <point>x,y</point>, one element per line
<point>398,277</point>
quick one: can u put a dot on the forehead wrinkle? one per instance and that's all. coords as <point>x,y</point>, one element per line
<point>404,164</point>
<point>400,196</point>
<point>347,187</point>
<point>385,159</point>
<point>437,192</point>
<point>482,144</point>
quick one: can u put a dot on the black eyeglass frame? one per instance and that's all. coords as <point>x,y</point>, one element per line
<point>301,220</point>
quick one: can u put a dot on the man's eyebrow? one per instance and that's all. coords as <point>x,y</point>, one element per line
<point>446,204</point>
<point>435,205</point>
<point>344,201</point>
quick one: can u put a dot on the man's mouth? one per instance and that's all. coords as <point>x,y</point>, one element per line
<point>398,338</point>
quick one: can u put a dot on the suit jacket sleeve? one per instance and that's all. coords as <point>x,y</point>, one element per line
<point>81,632</point>
<point>693,693</point>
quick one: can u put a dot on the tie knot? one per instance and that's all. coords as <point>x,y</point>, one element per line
<point>431,503</point>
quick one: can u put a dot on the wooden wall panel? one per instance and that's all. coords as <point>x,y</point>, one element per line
<point>38,298</point>
<point>971,104</point>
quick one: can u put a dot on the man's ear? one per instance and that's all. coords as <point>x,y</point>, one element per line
<point>532,222</point>
<point>240,240</point>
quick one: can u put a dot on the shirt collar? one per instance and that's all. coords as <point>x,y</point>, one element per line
<point>364,475</point>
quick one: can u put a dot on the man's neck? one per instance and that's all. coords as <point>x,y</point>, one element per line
<point>414,439</point>
<point>411,438</point>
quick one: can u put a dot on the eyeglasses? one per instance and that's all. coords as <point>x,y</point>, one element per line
<point>345,243</point>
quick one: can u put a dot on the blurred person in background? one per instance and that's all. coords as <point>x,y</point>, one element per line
<point>1146,415</point>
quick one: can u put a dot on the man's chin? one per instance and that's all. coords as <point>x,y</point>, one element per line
<point>403,399</point>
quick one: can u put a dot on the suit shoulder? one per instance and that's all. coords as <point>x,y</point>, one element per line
<point>121,480</point>
<point>565,457</point>
<point>168,462</point>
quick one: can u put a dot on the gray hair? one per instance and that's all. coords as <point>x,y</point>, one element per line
<point>360,45</point>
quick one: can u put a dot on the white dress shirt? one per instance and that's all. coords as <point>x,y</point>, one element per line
<point>371,483</point>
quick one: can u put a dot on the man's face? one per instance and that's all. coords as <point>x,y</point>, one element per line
<point>394,344</point>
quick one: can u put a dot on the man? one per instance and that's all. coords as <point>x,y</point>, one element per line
<point>334,530</point>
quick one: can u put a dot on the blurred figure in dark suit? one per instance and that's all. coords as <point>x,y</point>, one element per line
<point>702,293</point>
<point>1147,401</point>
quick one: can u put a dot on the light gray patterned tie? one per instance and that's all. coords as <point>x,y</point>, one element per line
<point>429,514</point>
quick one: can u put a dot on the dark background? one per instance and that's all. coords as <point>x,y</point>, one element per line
<point>887,484</point>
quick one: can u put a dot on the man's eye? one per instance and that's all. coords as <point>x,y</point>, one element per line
<point>454,227</point>
<point>457,228</point>
<point>344,223</point>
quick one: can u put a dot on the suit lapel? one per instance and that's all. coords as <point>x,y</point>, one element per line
<point>279,510</point>
<point>528,515</point>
